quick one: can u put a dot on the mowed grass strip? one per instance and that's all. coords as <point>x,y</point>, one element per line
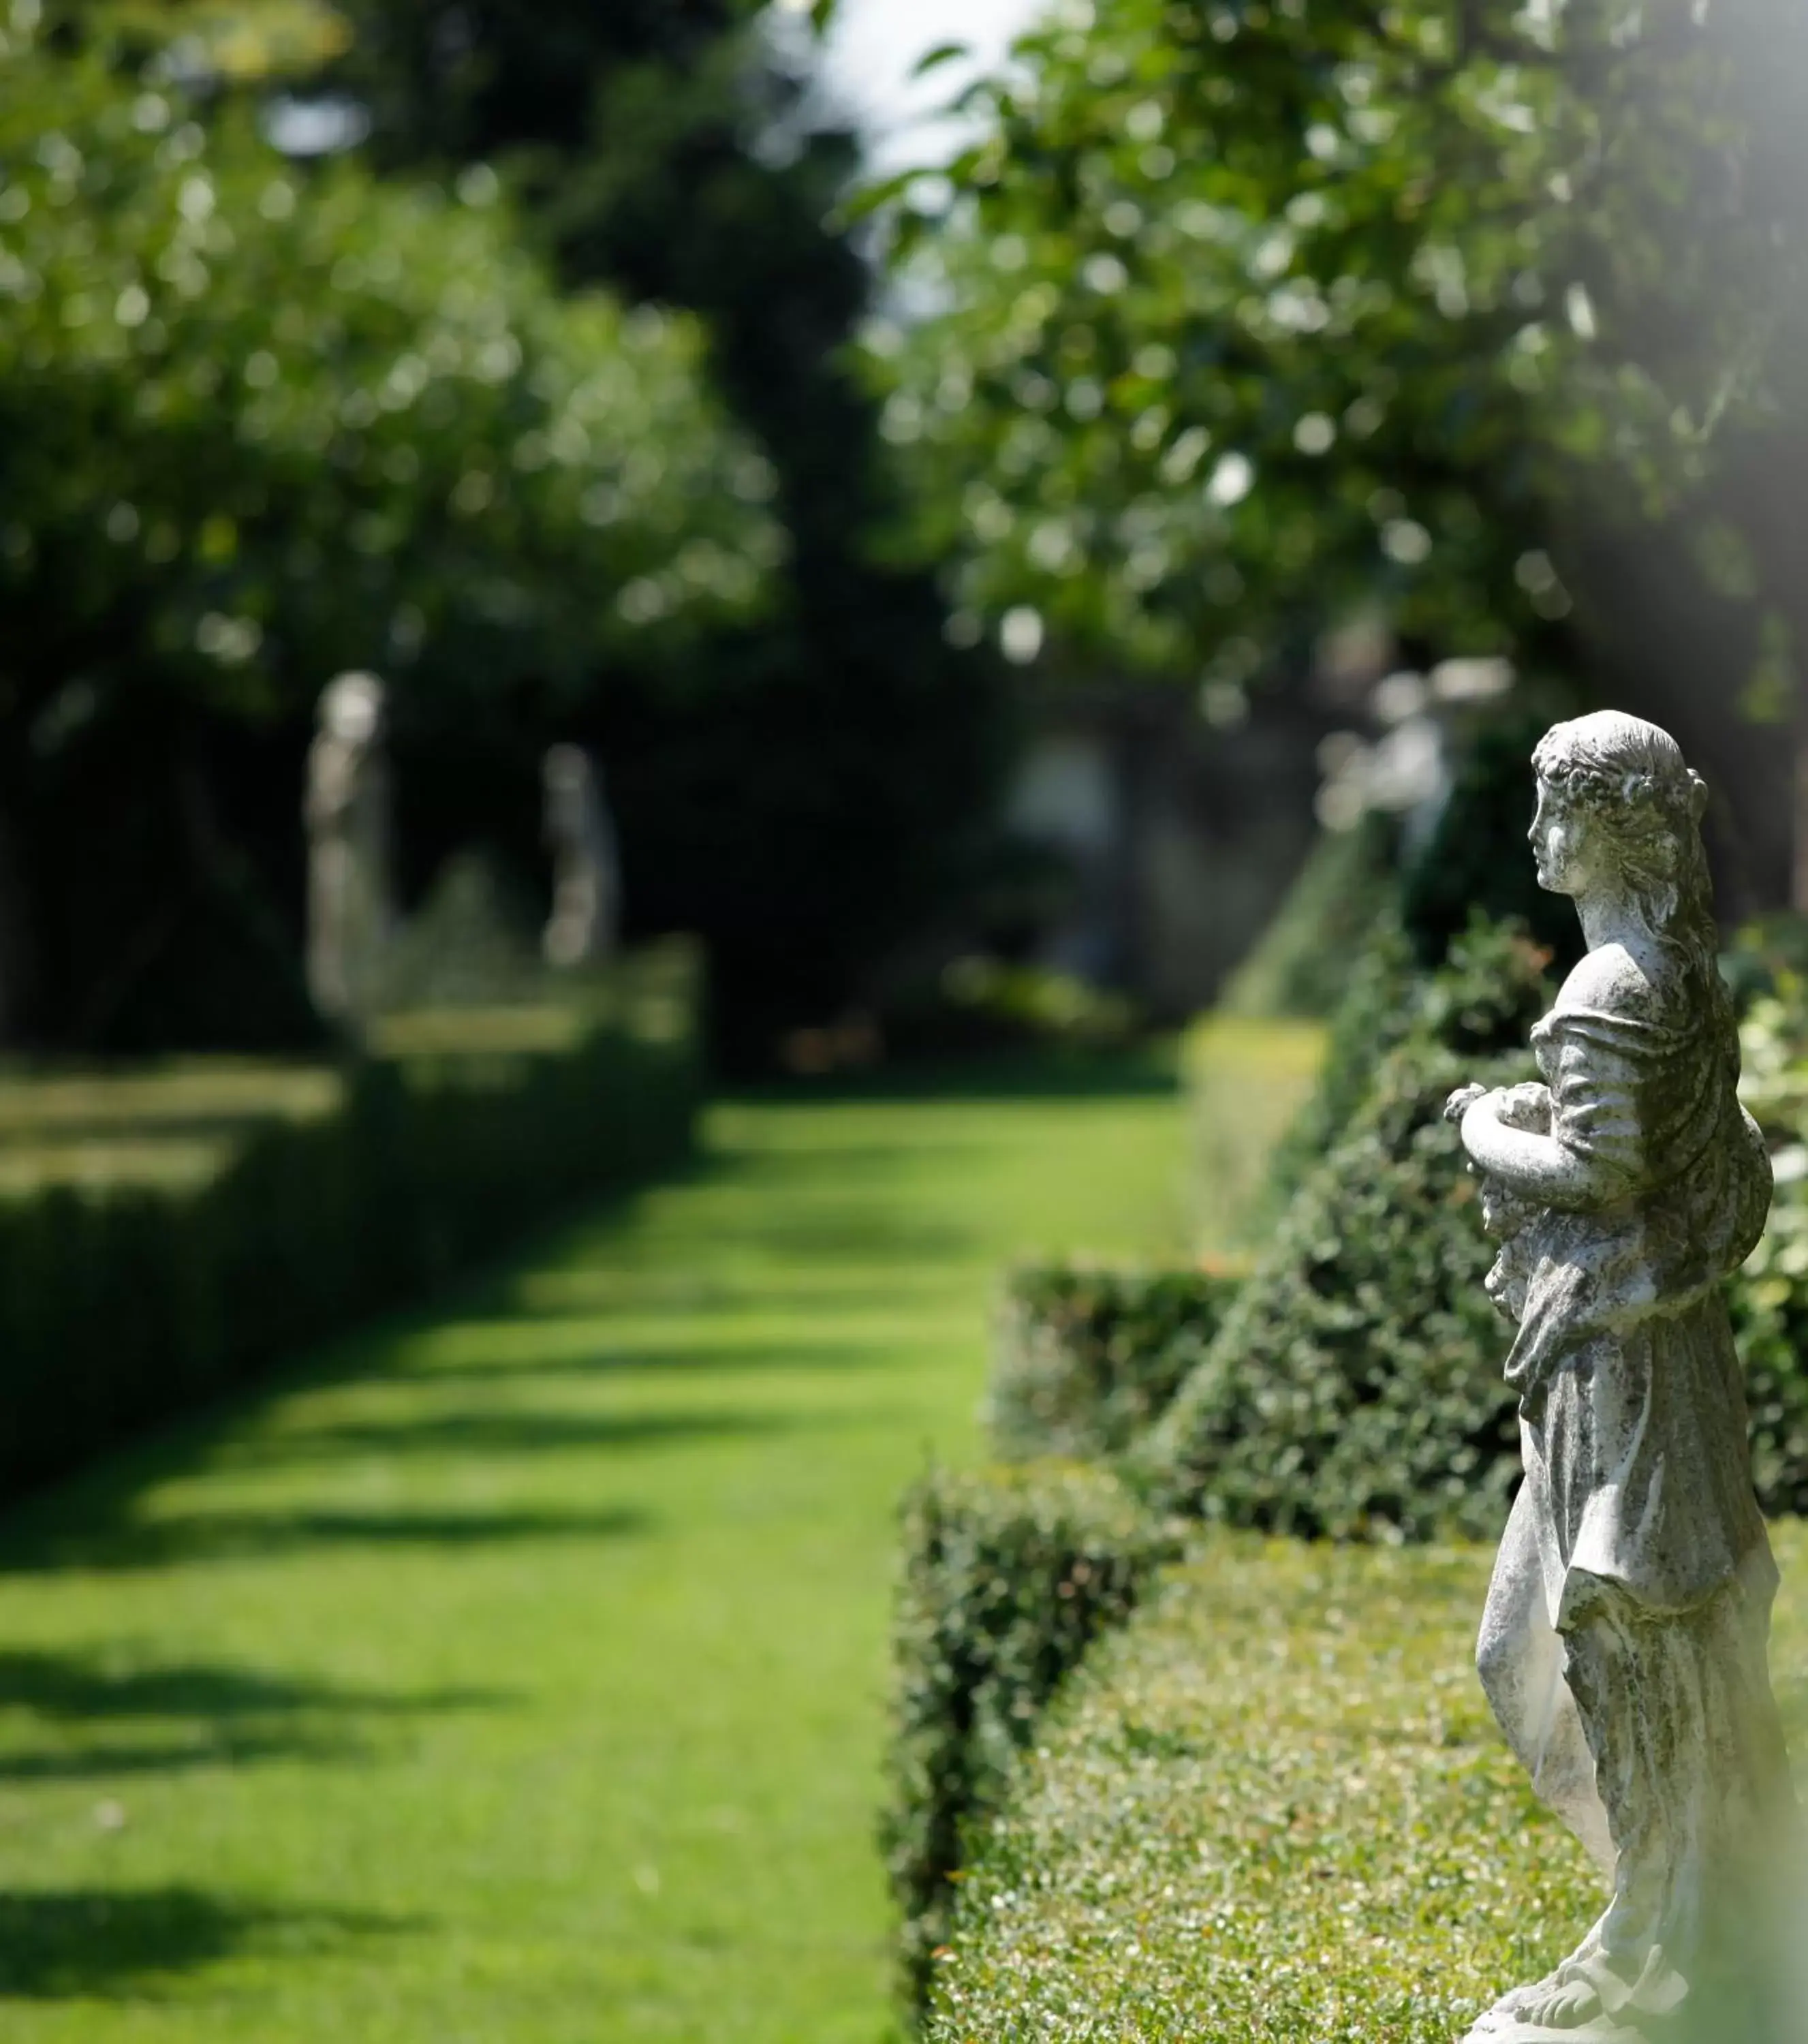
<point>1275,1811</point>
<point>514,1673</point>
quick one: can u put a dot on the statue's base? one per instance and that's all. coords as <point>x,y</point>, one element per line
<point>1495,2029</point>
<point>1531,2033</point>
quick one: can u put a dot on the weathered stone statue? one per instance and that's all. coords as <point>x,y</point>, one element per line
<point>1625,1645</point>
<point>350,917</point>
<point>584,926</point>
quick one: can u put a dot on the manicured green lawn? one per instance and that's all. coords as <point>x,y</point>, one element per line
<point>513,1674</point>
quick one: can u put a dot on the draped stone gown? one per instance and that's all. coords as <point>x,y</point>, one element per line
<point>1624,1647</point>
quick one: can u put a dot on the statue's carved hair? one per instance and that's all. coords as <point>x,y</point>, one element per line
<point>1630,779</point>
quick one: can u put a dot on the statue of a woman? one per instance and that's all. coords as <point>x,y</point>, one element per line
<point>1625,1647</point>
<point>584,926</point>
<point>350,917</point>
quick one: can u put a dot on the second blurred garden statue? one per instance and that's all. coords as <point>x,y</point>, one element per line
<point>351,914</point>
<point>1625,1645</point>
<point>584,926</point>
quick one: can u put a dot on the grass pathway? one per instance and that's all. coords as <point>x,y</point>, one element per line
<point>513,1674</point>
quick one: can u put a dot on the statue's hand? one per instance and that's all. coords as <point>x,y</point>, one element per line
<point>1461,1100</point>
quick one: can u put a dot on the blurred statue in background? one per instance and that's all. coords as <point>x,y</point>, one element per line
<point>1625,1645</point>
<point>584,927</point>
<point>351,915</point>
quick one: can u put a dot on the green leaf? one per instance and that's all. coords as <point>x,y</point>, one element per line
<point>943,54</point>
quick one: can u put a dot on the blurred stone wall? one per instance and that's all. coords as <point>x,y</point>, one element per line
<point>1182,835</point>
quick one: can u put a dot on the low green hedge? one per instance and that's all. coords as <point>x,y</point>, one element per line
<point>1355,1388</point>
<point>1007,1576</point>
<point>1271,1809</point>
<point>1274,1809</point>
<point>1770,1296</point>
<point>137,1276</point>
<point>1087,1358</point>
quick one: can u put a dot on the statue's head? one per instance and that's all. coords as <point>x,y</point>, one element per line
<point>572,799</point>
<point>351,709</point>
<point>1619,811</point>
<point>567,771</point>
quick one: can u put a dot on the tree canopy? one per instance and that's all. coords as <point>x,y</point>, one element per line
<point>521,378</point>
<point>815,793</point>
<point>259,425</point>
<point>261,422</point>
<point>1241,310</point>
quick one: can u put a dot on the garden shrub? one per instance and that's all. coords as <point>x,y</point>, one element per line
<point>1373,915</point>
<point>1355,1386</point>
<point>1769,1324</point>
<point>1008,1575</point>
<point>1273,1809</point>
<point>1086,1358</point>
<point>1768,958</point>
<point>124,1300</point>
<point>1475,1000</point>
<point>1769,1295</point>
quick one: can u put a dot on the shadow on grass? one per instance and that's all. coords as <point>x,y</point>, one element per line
<point>812,1205</point>
<point>646,1359</point>
<point>114,1762</point>
<point>385,1347</point>
<point>834,1231</point>
<point>119,1540</point>
<point>101,1943</point>
<point>498,1433</point>
<point>78,1688</point>
<point>826,1202</point>
<point>1042,1074</point>
<point>221,1716</point>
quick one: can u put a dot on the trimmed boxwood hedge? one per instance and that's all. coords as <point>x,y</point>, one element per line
<point>1271,1810</point>
<point>1274,1809</point>
<point>1008,1575</point>
<point>1355,1387</point>
<point>1085,1356</point>
<point>121,1302</point>
<point>1770,1296</point>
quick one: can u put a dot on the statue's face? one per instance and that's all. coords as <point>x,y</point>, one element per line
<point>354,710</point>
<point>1565,844</point>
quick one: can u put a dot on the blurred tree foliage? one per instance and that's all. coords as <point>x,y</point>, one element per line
<point>1243,310</point>
<point>815,786</point>
<point>270,417</point>
<point>257,426</point>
